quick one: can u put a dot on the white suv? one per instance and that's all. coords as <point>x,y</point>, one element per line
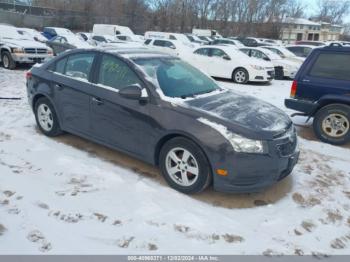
<point>16,48</point>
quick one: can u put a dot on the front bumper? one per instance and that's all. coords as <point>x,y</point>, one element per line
<point>262,75</point>
<point>248,173</point>
<point>31,58</point>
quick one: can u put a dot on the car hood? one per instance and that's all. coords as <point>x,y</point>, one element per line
<point>243,114</point>
<point>25,43</point>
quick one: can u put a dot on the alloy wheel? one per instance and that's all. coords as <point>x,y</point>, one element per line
<point>45,117</point>
<point>182,167</point>
<point>240,77</point>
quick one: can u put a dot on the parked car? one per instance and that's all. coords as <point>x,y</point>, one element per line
<point>312,43</point>
<point>130,38</point>
<point>227,62</point>
<point>283,67</point>
<point>107,41</point>
<point>172,47</point>
<point>171,36</point>
<point>251,41</point>
<point>196,39</point>
<point>273,42</point>
<point>17,49</point>
<point>205,38</point>
<point>163,111</point>
<point>300,50</point>
<point>60,44</point>
<point>51,32</point>
<point>321,90</point>
<point>285,53</point>
<point>86,37</point>
<point>32,34</point>
<point>227,41</point>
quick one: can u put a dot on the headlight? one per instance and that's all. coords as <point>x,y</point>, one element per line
<point>17,50</point>
<point>256,67</point>
<point>246,145</point>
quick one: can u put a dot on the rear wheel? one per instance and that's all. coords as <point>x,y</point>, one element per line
<point>240,76</point>
<point>7,60</point>
<point>46,117</point>
<point>184,166</point>
<point>332,124</point>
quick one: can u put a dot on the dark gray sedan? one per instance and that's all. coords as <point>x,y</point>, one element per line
<point>162,110</point>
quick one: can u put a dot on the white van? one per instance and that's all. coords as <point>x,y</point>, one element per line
<point>104,29</point>
<point>205,32</point>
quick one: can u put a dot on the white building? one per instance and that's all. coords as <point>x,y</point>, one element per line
<point>300,29</point>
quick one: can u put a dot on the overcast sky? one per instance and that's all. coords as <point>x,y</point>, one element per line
<point>312,9</point>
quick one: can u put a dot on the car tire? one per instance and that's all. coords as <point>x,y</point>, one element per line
<point>331,124</point>
<point>191,175</point>
<point>46,118</point>
<point>7,60</point>
<point>240,76</point>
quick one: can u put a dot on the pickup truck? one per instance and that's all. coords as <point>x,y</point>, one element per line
<point>18,49</point>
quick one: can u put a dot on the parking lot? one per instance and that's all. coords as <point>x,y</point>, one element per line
<point>68,195</point>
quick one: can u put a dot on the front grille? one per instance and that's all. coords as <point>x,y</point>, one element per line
<point>35,50</point>
<point>279,74</point>
<point>41,51</point>
<point>30,50</point>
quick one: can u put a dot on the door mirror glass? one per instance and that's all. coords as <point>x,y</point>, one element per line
<point>131,92</point>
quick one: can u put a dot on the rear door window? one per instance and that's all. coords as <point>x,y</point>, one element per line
<point>79,66</point>
<point>203,51</point>
<point>116,73</point>
<point>332,65</point>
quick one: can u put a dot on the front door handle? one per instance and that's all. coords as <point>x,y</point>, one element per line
<point>97,100</point>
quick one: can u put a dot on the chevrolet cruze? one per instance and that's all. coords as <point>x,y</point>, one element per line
<point>162,110</point>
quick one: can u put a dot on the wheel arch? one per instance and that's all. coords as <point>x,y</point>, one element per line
<point>240,67</point>
<point>331,100</point>
<point>37,96</point>
<point>161,142</point>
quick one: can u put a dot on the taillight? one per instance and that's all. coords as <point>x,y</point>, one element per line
<point>28,75</point>
<point>293,91</point>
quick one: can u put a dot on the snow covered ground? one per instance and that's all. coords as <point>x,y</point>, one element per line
<point>71,196</point>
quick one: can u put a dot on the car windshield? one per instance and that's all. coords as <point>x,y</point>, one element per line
<point>176,78</point>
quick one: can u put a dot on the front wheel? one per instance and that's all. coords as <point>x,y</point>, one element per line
<point>184,166</point>
<point>7,60</point>
<point>240,76</point>
<point>332,124</point>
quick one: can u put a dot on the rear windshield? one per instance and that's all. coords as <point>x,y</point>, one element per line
<point>335,66</point>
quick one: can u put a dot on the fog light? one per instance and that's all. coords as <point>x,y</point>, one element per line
<point>221,172</point>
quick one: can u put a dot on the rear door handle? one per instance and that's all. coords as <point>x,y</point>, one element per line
<point>59,87</point>
<point>97,100</point>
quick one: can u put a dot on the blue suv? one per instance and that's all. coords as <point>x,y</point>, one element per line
<point>321,90</point>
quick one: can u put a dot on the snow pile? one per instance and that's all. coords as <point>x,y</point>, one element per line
<point>71,196</point>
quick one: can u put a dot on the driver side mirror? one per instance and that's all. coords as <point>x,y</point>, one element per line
<point>133,92</point>
<point>226,57</point>
<point>267,59</point>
